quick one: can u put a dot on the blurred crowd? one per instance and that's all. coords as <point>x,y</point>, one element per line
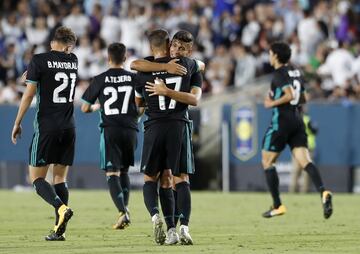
<point>232,38</point>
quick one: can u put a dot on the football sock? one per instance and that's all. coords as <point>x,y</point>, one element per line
<point>61,189</point>
<point>44,190</point>
<point>272,181</point>
<point>125,185</point>
<point>176,211</point>
<point>167,206</point>
<point>183,202</point>
<point>151,197</point>
<point>116,192</point>
<point>315,177</point>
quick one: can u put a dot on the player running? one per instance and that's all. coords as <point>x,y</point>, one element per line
<point>115,90</point>
<point>287,127</point>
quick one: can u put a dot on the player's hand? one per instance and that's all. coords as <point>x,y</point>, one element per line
<point>156,88</point>
<point>16,133</point>
<point>23,78</point>
<point>95,107</point>
<point>268,102</point>
<point>174,68</point>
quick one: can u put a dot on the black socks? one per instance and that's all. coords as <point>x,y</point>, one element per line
<point>116,192</point>
<point>45,190</point>
<point>272,181</point>
<point>125,185</point>
<point>61,189</point>
<point>167,205</point>
<point>183,202</point>
<point>151,197</point>
<point>314,174</point>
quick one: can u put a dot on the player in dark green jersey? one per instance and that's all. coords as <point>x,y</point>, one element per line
<point>163,135</point>
<point>181,46</point>
<point>287,128</point>
<point>115,90</point>
<point>52,78</point>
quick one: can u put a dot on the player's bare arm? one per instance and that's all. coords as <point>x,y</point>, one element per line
<point>201,65</point>
<point>88,108</point>
<point>24,106</point>
<point>147,66</point>
<point>286,98</point>
<point>160,88</point>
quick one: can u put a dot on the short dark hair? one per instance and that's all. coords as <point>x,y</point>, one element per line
<point>65,35</point>
<point>159,38</point>
<point>116,52</point>
<point>184,36</point>
<point>282,51</point>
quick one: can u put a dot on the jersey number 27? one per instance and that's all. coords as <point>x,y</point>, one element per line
<point>113,98</point>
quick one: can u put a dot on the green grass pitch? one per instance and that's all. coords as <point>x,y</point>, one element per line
<point>220,223</point>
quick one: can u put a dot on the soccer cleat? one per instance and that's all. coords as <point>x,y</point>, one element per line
<point>172,237</point>
<point>159,233</point>
<point>327,204</point>
<point>185,237</point>
<point>54,237</point>
<point>65,214</point>
<point>274,212</point>
<point>123,221</point>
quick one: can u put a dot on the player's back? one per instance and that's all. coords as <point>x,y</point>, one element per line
<point>116,94</point>
<point>287,76</point>
<point>162,107</point>
<point>55,75</point>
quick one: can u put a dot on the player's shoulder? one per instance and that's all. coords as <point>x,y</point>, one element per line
<point>73,56</point>
<point>293,71</point>
<point>41,57</point>
<point>188,62</point>
<point>129,73</point>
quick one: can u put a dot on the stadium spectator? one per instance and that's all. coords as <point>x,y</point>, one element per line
<point>310,27</point>
<point>245,66</point>
<point>77,21</point>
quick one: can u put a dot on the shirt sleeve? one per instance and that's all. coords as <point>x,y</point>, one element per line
<point>196,80</point>
<point>33,72</point>
<point>138,86</point>
<point>91,93</point>
<point>191,65</point>
<point>282,81</point>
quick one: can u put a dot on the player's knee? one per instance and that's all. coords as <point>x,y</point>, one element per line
<point>112,173</point>
<point>266,162</point>
<point>181,178</point>
<point>148,178</point>
<point>166,179</point>
<point>59,179</point>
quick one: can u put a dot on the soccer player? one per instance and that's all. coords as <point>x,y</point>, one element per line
<point>287,127</point>
<point>181,46</point>
<point>115,90</point>
<point>163,134</point>
<point>52,77</point>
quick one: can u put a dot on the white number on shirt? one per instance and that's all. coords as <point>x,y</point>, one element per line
<point>65,82</point>
<point>114,96</point>
<point>296,90</point>
<point>172,105</point>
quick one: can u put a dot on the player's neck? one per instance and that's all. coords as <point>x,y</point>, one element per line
<point>160,54</point>
<point>59,49</point>
<point>278,65</point>
<point>116,66</point>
